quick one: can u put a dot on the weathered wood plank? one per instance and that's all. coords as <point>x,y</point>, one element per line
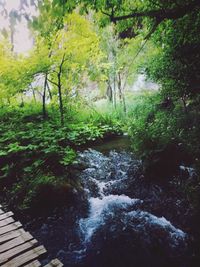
<point>17,247</point>
<point>9,254</point>
<point>25,257</point>
<point>10,235</point>
<point>16,242</point>
<point>54,263</point>
<point>6,221</point>
<point>33,264</point>
<point>6,215</point>
<point>10,227</point>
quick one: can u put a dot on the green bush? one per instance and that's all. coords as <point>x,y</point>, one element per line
<point>152,127</point>
<point>37,154</point>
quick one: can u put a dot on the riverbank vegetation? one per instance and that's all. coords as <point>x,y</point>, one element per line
<point>76,86</point>
<point>37,155</point>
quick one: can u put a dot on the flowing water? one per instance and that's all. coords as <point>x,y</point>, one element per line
<point>123,222</point>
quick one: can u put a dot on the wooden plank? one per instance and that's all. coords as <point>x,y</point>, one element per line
<point>16,242</point>
<point>9,254</point>
<point>6,221</point>
<point>11,235</point>
<point>33,264</point>
<point>54,263</point>
<point>6,215</point>
<point>10,227</point>
<point>25,257</point>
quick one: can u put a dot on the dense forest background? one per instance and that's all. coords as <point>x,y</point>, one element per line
<point>75,87</point>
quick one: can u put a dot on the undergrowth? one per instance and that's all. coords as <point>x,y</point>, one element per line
<point>36,155</point>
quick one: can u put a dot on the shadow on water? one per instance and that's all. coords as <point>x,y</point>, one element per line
<point>117,143</point>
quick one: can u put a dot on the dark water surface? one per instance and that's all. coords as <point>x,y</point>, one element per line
<point>122,220</point>
<point>118,143</point>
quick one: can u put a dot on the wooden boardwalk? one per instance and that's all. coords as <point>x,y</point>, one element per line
<point>18,247</point>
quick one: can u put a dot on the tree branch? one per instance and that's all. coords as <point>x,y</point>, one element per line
<point>161,14</point>
<point>52,82</point>
<point>147,37</point>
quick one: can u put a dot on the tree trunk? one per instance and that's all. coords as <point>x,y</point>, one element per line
<point>44,98</point>
<point>60,99</point>
<point>109,92</point>
<point>120,88</point>
<point>114,93</point>
<point>124,102</point>
<point>33,91</point>
<point>183,98</point>
<point>49,91</point>
<point>60,91</point>
<point>121,93</point>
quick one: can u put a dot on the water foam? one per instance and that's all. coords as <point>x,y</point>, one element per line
<point>146,219</point>
<point>101,206</point>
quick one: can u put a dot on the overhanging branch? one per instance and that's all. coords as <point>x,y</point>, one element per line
<point>161,14</point>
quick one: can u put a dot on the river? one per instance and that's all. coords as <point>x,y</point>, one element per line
<point>123,220</point>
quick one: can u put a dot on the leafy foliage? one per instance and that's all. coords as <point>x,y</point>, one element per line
<point>106,43</point>
<point>36,154</point>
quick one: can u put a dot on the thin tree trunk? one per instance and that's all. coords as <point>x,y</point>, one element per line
<point>60,91</point>
<point>33,91</point>
<point>109,92</point>
<point>124,103</point>
<point>121,93</point>
<point>114,93</point>
<point>44,98</point>
<point>59,86</point>
<point>60,99</point>
<point>184,104</point>
<point>49,91</point>
<point>120,88</point>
